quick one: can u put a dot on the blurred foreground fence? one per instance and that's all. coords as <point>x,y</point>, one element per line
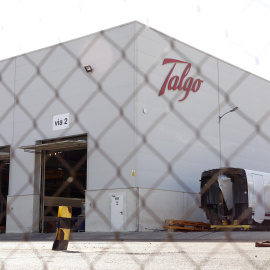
<point>120,125</point>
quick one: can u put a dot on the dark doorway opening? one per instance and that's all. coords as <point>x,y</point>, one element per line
<point>64,183</point>
<point>4,184</point>
<point>63,174</point>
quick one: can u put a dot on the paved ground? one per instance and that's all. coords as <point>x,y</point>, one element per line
<point>146,250</point>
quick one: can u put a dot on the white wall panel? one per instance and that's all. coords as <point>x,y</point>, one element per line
<point>160,205</point>
<point>175,131</point>
<point>24,214</point>
<point>7,74</point>
<point>242,144</point>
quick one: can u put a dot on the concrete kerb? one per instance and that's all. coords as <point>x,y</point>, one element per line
<point>161,236</point>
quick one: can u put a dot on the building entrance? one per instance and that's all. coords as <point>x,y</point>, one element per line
<point>4,183</point>
<point>63,174</point>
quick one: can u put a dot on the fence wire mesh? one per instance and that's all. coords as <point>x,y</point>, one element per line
<point>42,168</point>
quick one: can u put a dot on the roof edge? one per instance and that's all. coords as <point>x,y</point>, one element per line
<point>146,26</point>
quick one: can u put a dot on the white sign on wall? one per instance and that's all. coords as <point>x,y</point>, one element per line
<point>61,121</point>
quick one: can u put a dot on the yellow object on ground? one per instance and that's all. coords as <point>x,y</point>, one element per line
<point>63,228</point>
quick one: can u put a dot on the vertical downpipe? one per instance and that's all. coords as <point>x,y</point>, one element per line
<point>219,131</point>
<point>136,189</point>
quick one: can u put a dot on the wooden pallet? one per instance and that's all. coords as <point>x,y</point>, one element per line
<point>183,225</point>
<point>231,227</point>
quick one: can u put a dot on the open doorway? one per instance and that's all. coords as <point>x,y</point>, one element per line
<point>63,178</point>
<point>4,184</point>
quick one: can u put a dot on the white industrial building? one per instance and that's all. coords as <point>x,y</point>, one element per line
<point>125,121</point>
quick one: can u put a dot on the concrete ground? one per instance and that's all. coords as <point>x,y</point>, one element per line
<point>143,250</point>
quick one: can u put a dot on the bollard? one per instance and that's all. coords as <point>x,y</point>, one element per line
<point>63,228</point>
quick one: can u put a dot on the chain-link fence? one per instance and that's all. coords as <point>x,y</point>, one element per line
<point>120,125</point>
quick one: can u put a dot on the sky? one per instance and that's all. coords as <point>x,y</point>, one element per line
<point>236,31</point>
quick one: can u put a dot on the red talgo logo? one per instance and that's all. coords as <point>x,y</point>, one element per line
<point>180,83</point>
